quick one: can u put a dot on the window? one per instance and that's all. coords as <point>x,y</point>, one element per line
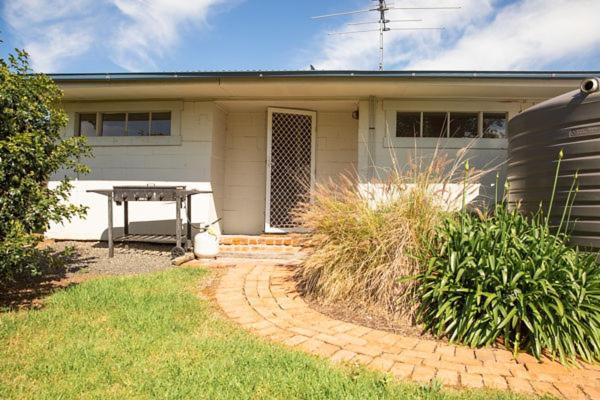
<point>408,124</point>
<point>489,125</point>
<point>138,124</point>
<point>494,125</point>
<point>464,125</point>
<point>113,124</point>
<point>161,124</point>
<point>87,125</point>
<point>435,124</point>
<point>125,124</point>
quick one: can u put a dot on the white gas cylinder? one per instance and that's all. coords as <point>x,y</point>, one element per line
<point>206,244</point>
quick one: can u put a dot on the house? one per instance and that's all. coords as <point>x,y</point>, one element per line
<point>257,140</point>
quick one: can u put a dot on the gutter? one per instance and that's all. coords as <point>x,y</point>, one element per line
<point>347,74</point>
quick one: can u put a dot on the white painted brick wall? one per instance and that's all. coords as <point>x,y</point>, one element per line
<point>245,170</point>
<point>245,179</point>
<point>186,163</point>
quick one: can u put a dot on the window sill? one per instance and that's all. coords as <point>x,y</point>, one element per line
<point>134,141</point>
<point>446,143</point>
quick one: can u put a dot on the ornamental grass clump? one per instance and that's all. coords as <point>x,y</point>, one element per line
<point>512,278</point>
<point>365,240</point>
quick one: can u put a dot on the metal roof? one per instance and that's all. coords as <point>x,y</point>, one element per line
<point>198,75</point>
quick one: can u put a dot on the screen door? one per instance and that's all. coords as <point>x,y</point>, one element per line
<point>290,165</point>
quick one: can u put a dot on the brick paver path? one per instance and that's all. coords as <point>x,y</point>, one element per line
<point>261,296</point>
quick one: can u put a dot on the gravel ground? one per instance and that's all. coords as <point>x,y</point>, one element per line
<point>91,258</point>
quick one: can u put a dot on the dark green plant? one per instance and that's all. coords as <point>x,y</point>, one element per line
<point>32,153</point>
<point>504,276</point>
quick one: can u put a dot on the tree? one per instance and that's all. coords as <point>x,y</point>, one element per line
<point>31,153</point>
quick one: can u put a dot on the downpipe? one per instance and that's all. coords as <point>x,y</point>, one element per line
<point>589,85</point>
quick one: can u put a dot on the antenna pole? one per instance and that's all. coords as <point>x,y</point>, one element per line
<point>380,46</point>
<point>382,8</point>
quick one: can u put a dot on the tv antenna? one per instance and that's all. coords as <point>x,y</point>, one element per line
<point>382,8</point>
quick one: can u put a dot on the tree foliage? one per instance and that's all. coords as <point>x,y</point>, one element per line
<point>32,152</point>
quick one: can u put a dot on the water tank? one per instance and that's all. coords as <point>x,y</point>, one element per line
<point>571,123</point>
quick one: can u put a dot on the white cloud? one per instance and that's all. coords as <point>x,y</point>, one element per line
<point>52,32</point>
<point>134,34</point>
<point>526,34</point>
<point>151,27</point>
<point>59,45</point>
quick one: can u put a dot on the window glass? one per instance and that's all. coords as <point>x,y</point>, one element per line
<point>464,125</point>
<point>113,124</point>
<point>408,124</point>
<point>87,124</point>
<point>138,124</point>
<point>434,124</point>
<point>161,124</point>
<point>494,125</point>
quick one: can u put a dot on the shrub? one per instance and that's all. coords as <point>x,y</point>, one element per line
<point>364,240</point>
<point>507,276</point>
<point>31,152</point>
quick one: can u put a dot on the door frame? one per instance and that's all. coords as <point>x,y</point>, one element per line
<point>313,145</point>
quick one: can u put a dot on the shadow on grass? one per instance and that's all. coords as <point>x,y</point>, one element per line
<point>55,270</point>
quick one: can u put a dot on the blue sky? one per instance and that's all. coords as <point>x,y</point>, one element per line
<point>184,35</point>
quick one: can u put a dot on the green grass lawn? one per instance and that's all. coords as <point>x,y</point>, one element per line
<point>153,337</point>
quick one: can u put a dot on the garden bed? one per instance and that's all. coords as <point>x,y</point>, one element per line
<point>370,317</point>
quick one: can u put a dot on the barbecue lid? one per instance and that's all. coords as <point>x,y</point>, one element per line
<point>148,187</point>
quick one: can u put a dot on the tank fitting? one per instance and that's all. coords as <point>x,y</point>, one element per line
<point>590,85</point>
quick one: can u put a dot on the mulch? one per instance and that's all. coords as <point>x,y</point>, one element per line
<point>369,317</point>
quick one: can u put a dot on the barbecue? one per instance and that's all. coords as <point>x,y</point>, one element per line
<point>122,195</point>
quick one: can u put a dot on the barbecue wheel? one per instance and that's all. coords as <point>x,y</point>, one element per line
<point>177,251</point>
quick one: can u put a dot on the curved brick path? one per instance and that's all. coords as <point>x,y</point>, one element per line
<point>261,296</point>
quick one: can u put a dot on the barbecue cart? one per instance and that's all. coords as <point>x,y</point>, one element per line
<point>122,195</point>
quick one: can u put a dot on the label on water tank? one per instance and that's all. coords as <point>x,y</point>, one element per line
<point>585,131</point>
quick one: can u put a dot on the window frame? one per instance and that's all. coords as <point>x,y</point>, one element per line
<point>481,123</point>
<point>150,134</point>
<point>137,112</point>
<point>101,127</point>
<point>420,124</point>
<point>175,107</point>
<point>447,124</point>
<point>78,123</point>
<point>99,122</point>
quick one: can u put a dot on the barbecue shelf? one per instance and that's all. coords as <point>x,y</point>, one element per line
<point>133,238</point>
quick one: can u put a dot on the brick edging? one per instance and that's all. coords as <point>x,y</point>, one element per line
<point>262,297</point>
